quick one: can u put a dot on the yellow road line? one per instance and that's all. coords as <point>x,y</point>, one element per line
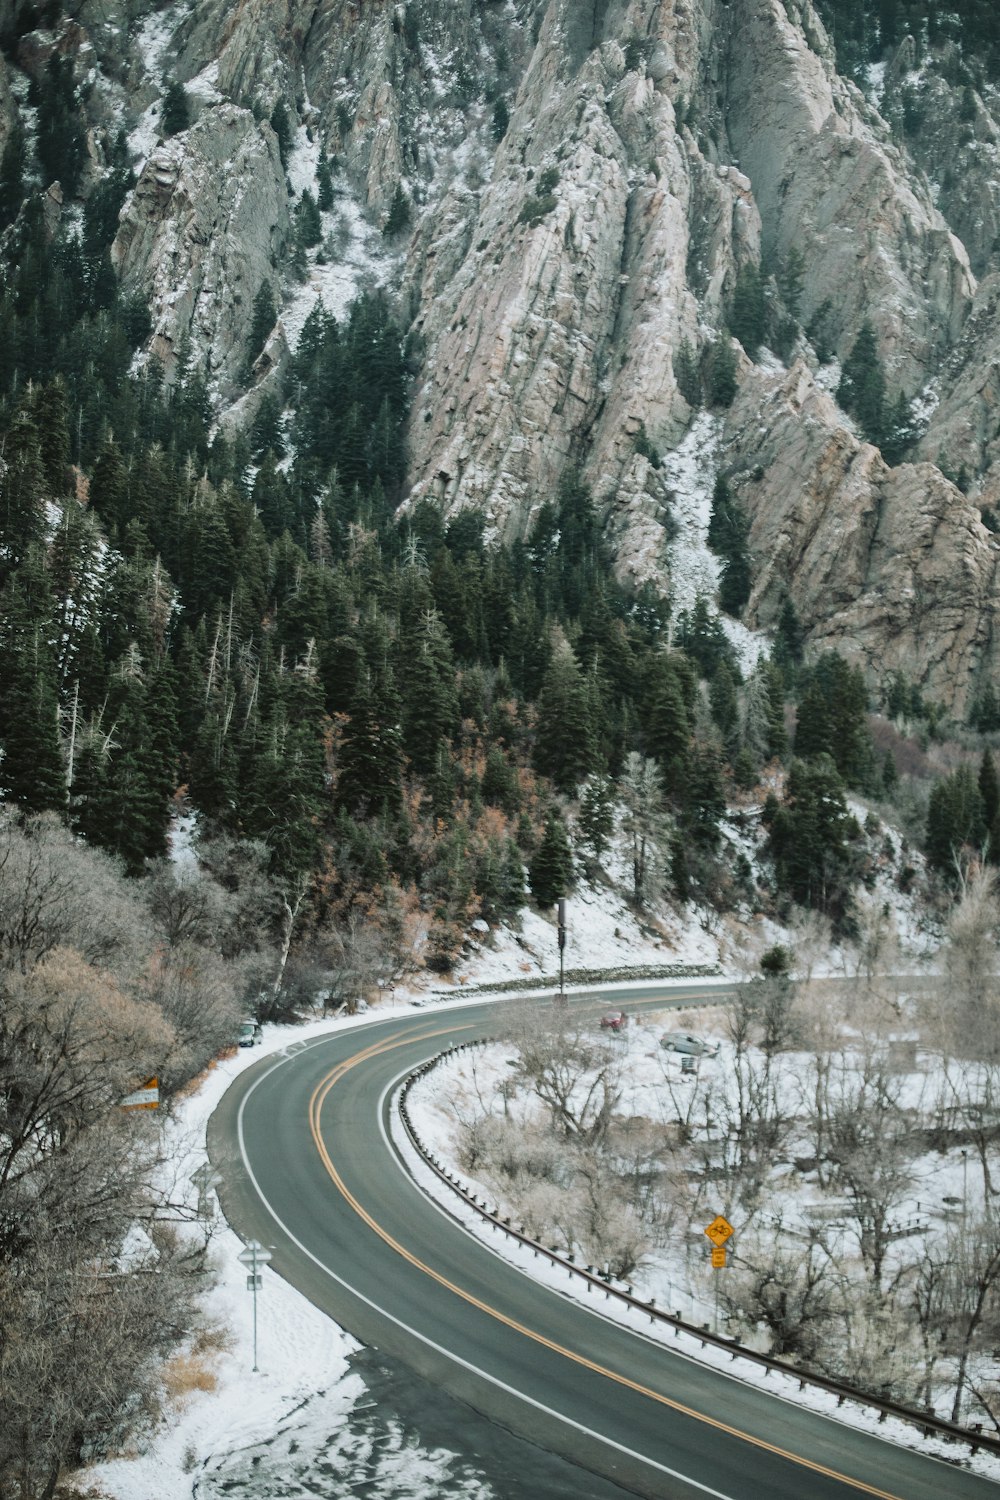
<point>318,1098</point>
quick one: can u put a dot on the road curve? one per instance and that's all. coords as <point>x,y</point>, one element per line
<point>308,1169</point>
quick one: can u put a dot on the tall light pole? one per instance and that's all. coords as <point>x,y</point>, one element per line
<point>562,948</point>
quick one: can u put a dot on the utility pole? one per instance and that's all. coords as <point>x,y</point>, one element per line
<point>562,948</point>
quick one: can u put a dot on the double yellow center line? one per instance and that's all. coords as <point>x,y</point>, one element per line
<point>316,1102</point>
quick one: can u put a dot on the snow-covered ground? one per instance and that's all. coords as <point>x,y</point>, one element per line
<point>690,470</point>
<point>678,1277</point>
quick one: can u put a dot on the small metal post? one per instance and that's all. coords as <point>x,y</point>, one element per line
<point>255,1258</point>
<point>562,948</point>
<point>253,1274</point>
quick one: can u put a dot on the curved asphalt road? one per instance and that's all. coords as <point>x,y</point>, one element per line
<point>302,1143</point>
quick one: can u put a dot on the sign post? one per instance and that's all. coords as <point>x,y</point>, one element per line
<point>718,1232</point>
<point>562,947</point>
<point>256,1257</point>
<point>205,1180</point>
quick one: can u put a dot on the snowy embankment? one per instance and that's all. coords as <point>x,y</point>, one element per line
<point>303,1394</point>
<point>678,1278</point>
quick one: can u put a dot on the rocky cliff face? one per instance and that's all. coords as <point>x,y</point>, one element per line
<point>585,184</point>
<point>891,566</point>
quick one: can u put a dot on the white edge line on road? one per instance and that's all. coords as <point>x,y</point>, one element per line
<point>747,1380</point>
<point>423,1339</point>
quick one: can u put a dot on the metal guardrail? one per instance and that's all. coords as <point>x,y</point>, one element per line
<point>628,974</point>
<point>927,1422</point>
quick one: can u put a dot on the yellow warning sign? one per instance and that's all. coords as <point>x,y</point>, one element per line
<point>718,1258</point>
<point>719,1230</point>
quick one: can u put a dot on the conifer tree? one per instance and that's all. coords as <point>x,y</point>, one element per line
<point>862,386</point>
<point>668,724</point>
<point>725,708</point>
<point>430,701</point>
<point>324,184</point>
<point>176,111</point>
<point>812,836</point>
<point>22,490</point>
<point>722,382</point>
<point>989,790</point>
<point>704,799</point>
<point>12,163</point>
<point>308,228</point>
<point>368,769</point>
<point>956,820</point>
<point>550,873</point>
<point>282,127</point>
<point>399,216</point>
<point>31,771</point>
<point>262,320</point>
<point>564,742</point>
<point>687,374</point>
<point>596,819</point>
<point>748,313</point>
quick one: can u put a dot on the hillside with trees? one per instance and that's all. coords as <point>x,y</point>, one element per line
<point>286,712</point>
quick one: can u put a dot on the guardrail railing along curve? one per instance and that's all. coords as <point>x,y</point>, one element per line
<point>929,1424</point>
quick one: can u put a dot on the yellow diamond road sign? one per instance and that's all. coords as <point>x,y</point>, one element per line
<point>719,1230</point>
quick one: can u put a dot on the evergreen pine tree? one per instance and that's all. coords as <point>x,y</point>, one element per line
<point>989,790</point>
<point>399,215</point>
<point>725,708</point>
<point>282,127</point>
<point>564,740</point>
<point>308,228</point>
<point>22,490</point>
<point>956,820</point>
<point>862,386</point>
<point>550,873</point>
<point>430,701</point>
<point>722,382</point>
<point>812,837</point>
<point>788,639</point>
<point>262,320</point>
<point>176,111</point>
<point>12,163</point>
<point>668,723</point>
<point>687,374</point>
<point>31,771</point>
<point>324,184</point>
<point>748,312</point>
<point>596,820</point>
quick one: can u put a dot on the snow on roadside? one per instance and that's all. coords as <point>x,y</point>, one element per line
<point>667,1284</point>
<point>300,1350</point>
<point>603,933</point>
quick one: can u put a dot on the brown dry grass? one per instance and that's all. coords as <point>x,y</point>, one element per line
<point>185,1374</point>
<point>212,1340</point>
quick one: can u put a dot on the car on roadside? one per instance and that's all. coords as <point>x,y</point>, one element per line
<point>615,1020</point>
<point>688,1045</point>
<point>250,1034</point>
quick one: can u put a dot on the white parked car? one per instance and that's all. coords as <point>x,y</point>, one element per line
<point>688,1044</point>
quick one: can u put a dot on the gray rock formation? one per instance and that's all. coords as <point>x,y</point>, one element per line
<point>892,567</point>
<point>200,233</point>
<point>828,181</point>
<point>586,183</point>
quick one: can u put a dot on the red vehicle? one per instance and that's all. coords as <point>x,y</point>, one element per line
<point>615,1020</point>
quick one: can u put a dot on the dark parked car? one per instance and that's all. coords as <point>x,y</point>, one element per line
<point>250,1033</point>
